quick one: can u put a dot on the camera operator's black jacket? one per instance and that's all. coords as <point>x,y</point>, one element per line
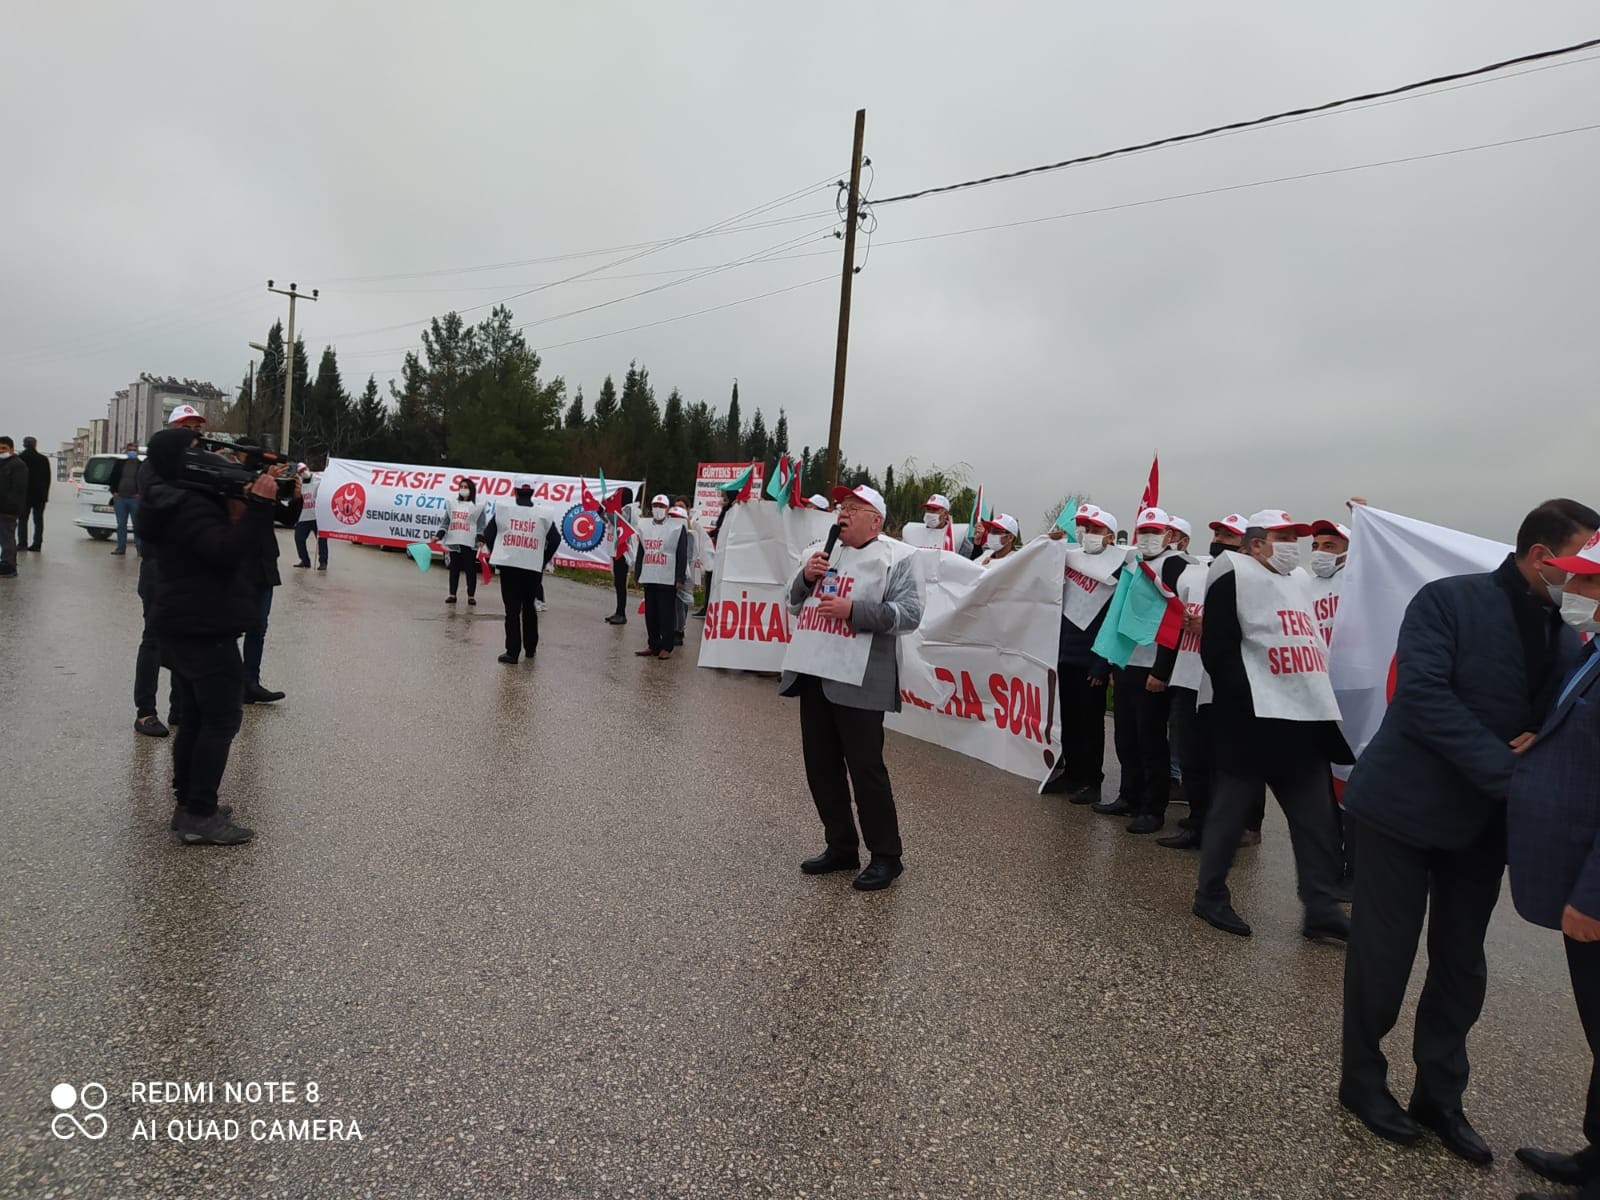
<point>205,588</point>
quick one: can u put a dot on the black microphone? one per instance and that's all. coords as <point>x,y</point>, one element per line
<point>833,539</point>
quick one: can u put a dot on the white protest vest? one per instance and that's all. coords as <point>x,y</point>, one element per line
<point>1324,598</point>
<point>923,538</point>
<point>1145,656</point>
<point>521,534</point>
<point>1188,671</point>
<point>1087,584</point>
<point>308,496</point>
<point>462,518</point>
<point>660,544</point>
<point>831,649</point>
<point>1285,658</point>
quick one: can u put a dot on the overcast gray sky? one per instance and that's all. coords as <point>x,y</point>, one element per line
<point>1394,332</point>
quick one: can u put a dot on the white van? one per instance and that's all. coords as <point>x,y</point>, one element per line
<point>95,512</point>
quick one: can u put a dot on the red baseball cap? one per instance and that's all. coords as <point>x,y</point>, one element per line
<point>1333,527</point>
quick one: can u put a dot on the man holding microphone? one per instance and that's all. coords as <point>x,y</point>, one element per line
<point>850,604</point>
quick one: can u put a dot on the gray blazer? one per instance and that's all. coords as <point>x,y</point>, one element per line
<point>900,611</point>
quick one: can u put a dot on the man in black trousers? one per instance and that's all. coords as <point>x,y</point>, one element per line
<point>1479,662</point>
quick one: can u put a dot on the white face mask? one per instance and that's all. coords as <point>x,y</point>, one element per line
<point>1580,612</point>
<point>1151,544</point>
<point>1093,543</point>
<point>658,512</point>
<point>1285,556</point>
<point>1557,595</point>
<point>5,454</point>
<point>1324,563</point>
<point>931,519</point>
<point>464,494</point>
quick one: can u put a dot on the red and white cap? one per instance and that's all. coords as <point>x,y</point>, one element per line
<point>1004,523</point>
<point>1275,518</point>
<point>869,496</point>
<point>1331,527</point>
<point>186,412</point>
<point>1585,562</point>
<point>1153,518</point>
<point>659,499</point>
<point>677,510</point>
<point>818,502</point>
<point>1093,514</point>
<point>1233,523</point>
<point>937,502</point>
<point>1182,526</point>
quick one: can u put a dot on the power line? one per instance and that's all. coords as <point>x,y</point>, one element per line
<point>1240,187</point>
<point>1235,126</point>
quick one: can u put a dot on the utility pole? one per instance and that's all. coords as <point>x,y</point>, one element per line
<point>288,358</point>
<point>844,301</point>
<point>252,417</point>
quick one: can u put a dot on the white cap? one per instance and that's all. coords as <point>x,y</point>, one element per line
<point>520,482</point>
<point>1585,562</point>
<point>1093,514</point>
<point>185,412</point>
<point>937,501</point>
<point>820,503</point>
<point>1004,523</point>
<point>867,495</point>
<point>1275,518</point>
<point>1153,518</point>
<point>661,500</point>
<point>1182,526</point>
<point>677,510</point>
<point>1233,523</point>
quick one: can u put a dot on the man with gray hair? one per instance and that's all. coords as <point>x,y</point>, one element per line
<point>850,603</point>
<point>1274,722</point>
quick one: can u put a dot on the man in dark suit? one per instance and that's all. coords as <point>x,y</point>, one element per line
<point>1553,846</point>
<point>1479,663</point>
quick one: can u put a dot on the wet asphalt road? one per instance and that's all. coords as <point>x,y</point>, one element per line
<point>540,932</point>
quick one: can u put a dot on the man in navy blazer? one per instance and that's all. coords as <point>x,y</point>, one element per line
<point>1553,846</point>
<point>1479,662</point>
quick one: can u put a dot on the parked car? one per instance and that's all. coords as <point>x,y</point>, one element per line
<point>95,513</point>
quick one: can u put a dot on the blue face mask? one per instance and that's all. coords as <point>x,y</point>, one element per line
<point>133,454</point>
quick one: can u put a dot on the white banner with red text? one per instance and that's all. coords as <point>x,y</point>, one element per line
<point>706,505</point>
<point>759,550</point>
<point>393,504</point>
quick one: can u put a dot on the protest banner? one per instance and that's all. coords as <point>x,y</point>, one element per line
<point>394,504</point>
<point>747,619</point>
<point>921,537</point>
<point>1391,557</point>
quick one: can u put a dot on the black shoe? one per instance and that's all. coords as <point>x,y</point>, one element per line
<point>616,619</point>
<point>1187,839</point>
<point>831,860</point>
<point>1222,916</point>
<point>150,725</point>
<point>1333,928</point>
<point>322,566</point>
<point>507,658</point>
<point>880,873</point>
<point>8,572</point>
<point>254,693</point>
<point>1383,1115</point>
<point>1189,822</point>
<point>212,830</point>
<point>449,599</point>
<point>1056,784</point>
<point>1557,1168</point>
<point>1085,795</point>
<point>302,566</point>
<point>223,810</point>
<point>699,612</point>
<point>1454,1130</point>
<point>1114,807</point>
<point>1146,823</point>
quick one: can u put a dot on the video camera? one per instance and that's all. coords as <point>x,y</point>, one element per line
<point>210,462</point>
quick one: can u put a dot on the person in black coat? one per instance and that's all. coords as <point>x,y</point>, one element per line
<point>1479,661</point>
<point>38,494</point>
<point>204,600</point>
<point>13,501</point>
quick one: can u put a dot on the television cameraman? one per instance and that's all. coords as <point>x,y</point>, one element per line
<point>205,523</point>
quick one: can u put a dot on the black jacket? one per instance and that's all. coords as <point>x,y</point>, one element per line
<point>204,589</point>
<point>13,486</point>
<point>38,476</point>
<point>1480,659</point>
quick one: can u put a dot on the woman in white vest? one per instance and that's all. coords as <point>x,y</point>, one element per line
<point>1089,579</point>
<point>661,565</point>
<point>461,535</point>
<point>525,540</point>
<point>850,603</point>
<point>1274,722</point>
<point>629,512</point>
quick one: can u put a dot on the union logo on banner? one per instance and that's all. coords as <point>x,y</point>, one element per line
<point>582,529</point>
<point>349,502</point>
